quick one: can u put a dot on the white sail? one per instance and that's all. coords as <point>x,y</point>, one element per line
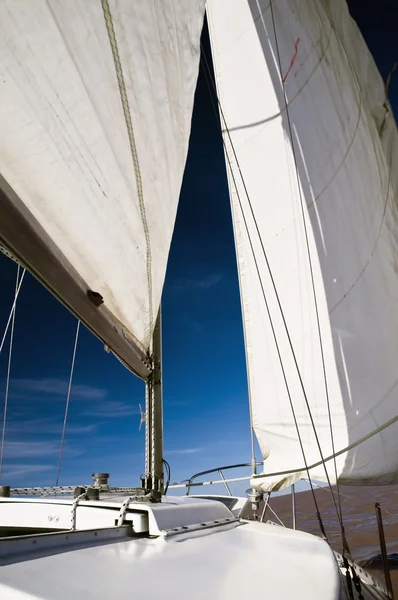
<point>321,180</point>
<point>95,113</point>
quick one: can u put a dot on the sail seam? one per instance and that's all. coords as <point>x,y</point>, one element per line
<point>130,130</point>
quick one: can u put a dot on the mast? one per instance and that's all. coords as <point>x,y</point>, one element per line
<point>154,478</point>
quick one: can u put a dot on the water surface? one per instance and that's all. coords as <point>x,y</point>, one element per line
<point>359,520</point>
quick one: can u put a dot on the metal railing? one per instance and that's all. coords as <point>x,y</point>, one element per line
<point>189,483</point>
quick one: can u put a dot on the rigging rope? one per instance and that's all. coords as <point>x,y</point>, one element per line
<point>210,79</point>
<point>152,429</point>
<point>133,148</point>
<point>12,310</point>
<point>148,418</point>
<point>265,299</point>
<point>12,316</point>
<point>61,450</point>
<point>338,509</point>
<point>275,515</point>
<point>276,292</point>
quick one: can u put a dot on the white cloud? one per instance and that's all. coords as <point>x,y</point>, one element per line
<point>184,451</point>
<point>47,426</point>
<point>30,425</point>
<point>12,471</point>
<point>30,449</point>
<point>177,403</point>
<point>107,409</point>
<point>58,387</point>
<point>205,283</point>
<point>80,429</point>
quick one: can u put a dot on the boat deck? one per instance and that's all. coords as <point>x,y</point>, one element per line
<point>181,548</point>
<point>218,563</point>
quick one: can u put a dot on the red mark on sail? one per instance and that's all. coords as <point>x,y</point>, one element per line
<point>293,59</point>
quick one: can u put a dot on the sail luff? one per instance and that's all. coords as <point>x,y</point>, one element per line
<point>334,261</point>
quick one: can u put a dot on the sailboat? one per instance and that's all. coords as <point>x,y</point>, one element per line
<point>95,111</point>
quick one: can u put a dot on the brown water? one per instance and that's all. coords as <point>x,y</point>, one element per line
<point>359,520</point>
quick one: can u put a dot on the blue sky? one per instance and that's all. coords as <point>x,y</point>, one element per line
<point>205,392</point>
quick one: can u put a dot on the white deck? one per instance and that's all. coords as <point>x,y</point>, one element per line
<point>224,561</point>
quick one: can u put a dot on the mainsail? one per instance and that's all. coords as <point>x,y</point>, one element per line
<point>311,152</point>
<point>95,113</point>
